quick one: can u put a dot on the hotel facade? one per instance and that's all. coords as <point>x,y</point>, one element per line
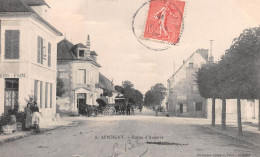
<point>28,56</point>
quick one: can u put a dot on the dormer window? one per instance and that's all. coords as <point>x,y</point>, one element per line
<point>81,53</point>
<point>190,65</point>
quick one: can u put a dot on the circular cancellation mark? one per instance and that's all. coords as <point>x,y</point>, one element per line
<point>158,24</point>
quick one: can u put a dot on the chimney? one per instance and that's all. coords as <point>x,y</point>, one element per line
<point>88,46</point>
<point>40,7</point>
<point>211,58</point>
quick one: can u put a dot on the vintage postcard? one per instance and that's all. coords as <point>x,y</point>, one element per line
<point>129,78</point>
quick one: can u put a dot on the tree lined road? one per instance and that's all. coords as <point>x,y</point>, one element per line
<point>117,135</point>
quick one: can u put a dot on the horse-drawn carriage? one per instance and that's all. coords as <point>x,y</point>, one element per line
<point>108,109</point>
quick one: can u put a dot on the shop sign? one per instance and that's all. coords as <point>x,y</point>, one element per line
<point>12,75</point>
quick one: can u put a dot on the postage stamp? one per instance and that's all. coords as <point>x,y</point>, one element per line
<point>164,20</point>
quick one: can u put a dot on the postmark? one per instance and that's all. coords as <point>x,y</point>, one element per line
<point>158,24</point>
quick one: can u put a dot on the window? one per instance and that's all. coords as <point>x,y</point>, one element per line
<point>40,50</point>
<point>198,106</point>
<point>46,95</point>
<point>36,89</point>
<point>11,93</point>
<point>81,76</point>
<point>81,53</point>
<point>12,42</point>
<point>41,94</point>
<point>49,54</point>
<point>190,65</point>
<point>63,74</point>
<point>51,95</point>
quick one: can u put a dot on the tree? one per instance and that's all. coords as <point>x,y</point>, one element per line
<point>237,74</point>
<point>244,53</point>
<point>59,87</point>
<point>149,98</point>
<point>138,97</point>
<point>155,95</point>
<point>130,94</point>
<point>207,84</point>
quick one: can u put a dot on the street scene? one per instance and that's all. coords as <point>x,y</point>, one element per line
<point>130,136</point>
<point>135,78</point>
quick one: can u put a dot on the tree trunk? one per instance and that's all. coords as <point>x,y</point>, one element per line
<point>213,112</point>
<point>223,122</point>
<point>259,114</point>
<point>239,124</point>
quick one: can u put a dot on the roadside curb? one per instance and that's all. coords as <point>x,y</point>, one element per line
<point>236,138</point>
<point>15,137</point>
<point>29,133</point>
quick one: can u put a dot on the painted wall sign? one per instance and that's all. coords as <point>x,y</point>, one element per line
<point>12,75</point>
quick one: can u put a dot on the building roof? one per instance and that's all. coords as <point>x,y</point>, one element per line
<point>105,83</point>
<point>13,7</point>
<point>93,53</point>
<point>35,2</point>
<point>203,54</point>
<point>65,52</point>
<point>79,45</point>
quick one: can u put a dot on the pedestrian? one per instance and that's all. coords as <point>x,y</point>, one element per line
<point>132,109</point>
<point>28,118</point>
<point>140,108</point>
<point>36,119</point>
<point>128,109</point>
<point>117,108</point>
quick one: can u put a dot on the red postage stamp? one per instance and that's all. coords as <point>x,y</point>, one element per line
<point>164,20</point>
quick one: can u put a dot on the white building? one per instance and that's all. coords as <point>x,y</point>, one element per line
<point>28,55</point>
<point>79,70</point>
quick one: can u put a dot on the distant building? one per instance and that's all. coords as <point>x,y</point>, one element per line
<point>28,55</point>
<point>183,97</point>
<point>79,70</point>
<point>107,86</point>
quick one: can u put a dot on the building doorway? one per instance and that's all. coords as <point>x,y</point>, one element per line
<point>181,108</point>
<point>81,102</point>
<point>11,93</point>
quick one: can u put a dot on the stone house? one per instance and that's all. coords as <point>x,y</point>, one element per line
<point>79,70</point>
<point>28,55</point>
<point>183,97</point>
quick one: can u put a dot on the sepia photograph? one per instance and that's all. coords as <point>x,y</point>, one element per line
<point>129,78</point>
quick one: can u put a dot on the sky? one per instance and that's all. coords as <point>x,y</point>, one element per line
<point>109,24</point>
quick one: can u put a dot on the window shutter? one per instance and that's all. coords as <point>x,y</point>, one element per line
<point>41,94</point>
<point>12,42</point>
<point>8,44</point>
<point>51,95</point>
<point>49,54</point>
<point>16,43</point>
<point>39,50</point>
<point>46,95</point>
<point>35,89</point>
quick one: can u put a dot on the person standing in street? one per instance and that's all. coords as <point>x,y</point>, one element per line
<point>127,108</point>
<point>28,118</point>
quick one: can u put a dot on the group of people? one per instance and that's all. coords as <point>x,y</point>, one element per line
<point>125,108</point>
<point>32,119</point>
